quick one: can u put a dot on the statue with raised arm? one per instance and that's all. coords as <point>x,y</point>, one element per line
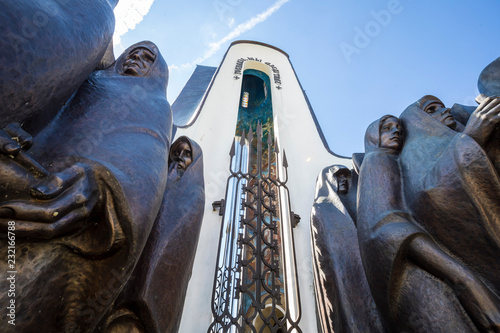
<point>451,184</point>
<point>415,282</point>
<point>489,86</point>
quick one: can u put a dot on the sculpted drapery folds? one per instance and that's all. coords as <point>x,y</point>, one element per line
<point>414,281</point>
<point>442,166</point>
<point>343,297</point>
<point>153,299</point>
<point>81,229</point>
<point>47,50</point>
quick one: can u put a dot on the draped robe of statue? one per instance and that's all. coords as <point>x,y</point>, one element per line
<point>47,50</point>
<point>408,298</point>
<point>116,127</point>
<point>453,191</point>
<point>154,297</point>
<point>344,300</point>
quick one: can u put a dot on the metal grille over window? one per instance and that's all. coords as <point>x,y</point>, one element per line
<point>256,286</point>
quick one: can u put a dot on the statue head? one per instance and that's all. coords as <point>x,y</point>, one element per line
<point>436,109</point>
<point>181,154</point>
<point>138,61</point>
<point>386,133</point>
<point>144,63</point>
<point>342,175</point>
<point>391,133</point>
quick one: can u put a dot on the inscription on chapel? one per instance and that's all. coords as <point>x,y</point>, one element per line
<point>239,67</point>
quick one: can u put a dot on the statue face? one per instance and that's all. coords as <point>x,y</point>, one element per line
<point>391,134</point>
<point>182,156</point>
<point>343,184</point>
<point>438,111</point>
<point>138,62</point>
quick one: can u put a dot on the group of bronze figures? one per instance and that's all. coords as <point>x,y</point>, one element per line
<point>95,196</point>
<point>409,239</point>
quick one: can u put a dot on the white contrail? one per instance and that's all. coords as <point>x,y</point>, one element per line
<point>243,27</point>
<point>129,13</point>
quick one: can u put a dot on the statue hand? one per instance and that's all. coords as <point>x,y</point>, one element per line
<point>60,204</point>
<point>18,170</point>
<point>484,120</point>
<point>13,138</point>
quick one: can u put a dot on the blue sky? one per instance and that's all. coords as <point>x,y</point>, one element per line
<point>357,60</point>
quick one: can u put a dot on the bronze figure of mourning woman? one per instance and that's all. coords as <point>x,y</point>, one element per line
<point>86,199</point>
<point>451,182</point>
<point>343,299</point>
<point>153,298</point>
<point>416,281</point>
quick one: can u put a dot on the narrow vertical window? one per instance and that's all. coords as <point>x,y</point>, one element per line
<point>256,286</point>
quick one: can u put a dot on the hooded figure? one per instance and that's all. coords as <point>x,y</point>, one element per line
<point>453,190</point>
<point>345,182</point>
<point>384,226</point>
<point>153,299</point>
<point>47,50</point>
<point>343,298</point>
<point>83,229</point>
<point>416,285</point>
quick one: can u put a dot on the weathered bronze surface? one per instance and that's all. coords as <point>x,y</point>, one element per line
<point>440,166</point>
<point>153,299</point>
<point>107,214</point>
<point>102,243</point>
<point>82,224</point>
<point>428,221</point>
<point>47,49</point>
<point>414,281</point>
<point>343,297</point>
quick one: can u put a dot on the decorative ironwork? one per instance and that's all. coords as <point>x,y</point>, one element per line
<point>256,285</point>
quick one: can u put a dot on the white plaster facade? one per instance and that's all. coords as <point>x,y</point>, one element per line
<point>213,128</point>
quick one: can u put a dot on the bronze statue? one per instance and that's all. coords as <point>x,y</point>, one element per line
<point>489,79</point>
<point>180,158</point>
<point>342,174</point>
<point>441,165</point>
<point>47,50</point>
<point>428,218</point>
<point>81,225</point>
<point>488,136</point>
<point>416,284</point>
<point>343,297</point>
<point>153,299</point>
<point>489,85</point>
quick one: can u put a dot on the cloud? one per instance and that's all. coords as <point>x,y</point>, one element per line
<point>128,14</point>
<point>240,29</point>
